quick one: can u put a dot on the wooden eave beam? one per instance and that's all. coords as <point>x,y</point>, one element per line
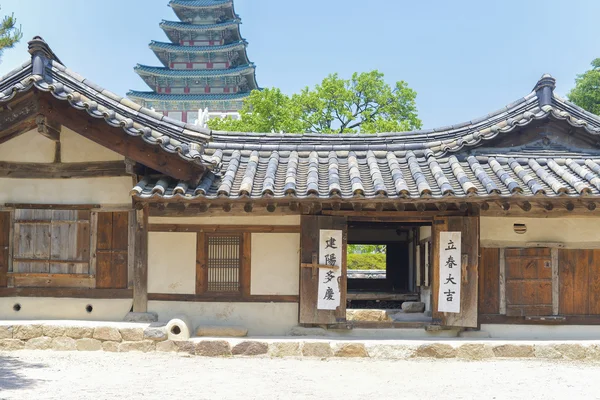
<point>18,116</point>
<point>115,139</point>
<point>59,170</point>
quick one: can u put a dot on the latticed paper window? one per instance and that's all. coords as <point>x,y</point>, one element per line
<point>223,263</point>
<point>223,266</point>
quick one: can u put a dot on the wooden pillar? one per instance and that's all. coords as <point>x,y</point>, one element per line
<point>140,265</point>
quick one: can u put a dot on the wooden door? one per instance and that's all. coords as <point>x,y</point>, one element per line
<point>309,281</point>
<point>469,228</point>
<point>528,281</point>
<point>4,246</point>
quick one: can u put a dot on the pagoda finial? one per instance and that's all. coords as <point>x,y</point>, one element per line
<point>544,89</point>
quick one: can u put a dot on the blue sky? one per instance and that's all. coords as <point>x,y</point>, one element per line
<point>465,58</point>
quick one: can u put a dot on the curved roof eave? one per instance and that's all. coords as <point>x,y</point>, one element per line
<point>194,73</point>
<point>175,48</point>
<point>199,3</point>
<point>184,26</point>
<point>153,96</point>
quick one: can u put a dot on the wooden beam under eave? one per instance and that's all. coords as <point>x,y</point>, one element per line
<point>115,139</point>
<point>62,170</point>
<point>18,116</point>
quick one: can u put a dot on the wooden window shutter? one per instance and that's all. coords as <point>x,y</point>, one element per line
<point>112,248</point>
<point>4,246</point>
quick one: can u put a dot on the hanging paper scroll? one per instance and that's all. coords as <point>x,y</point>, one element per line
<point>450,272</point>
<point>330,253</point>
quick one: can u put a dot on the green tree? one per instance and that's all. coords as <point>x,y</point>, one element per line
<point>365,103</point>
<point>10,34</point>
<point>586,93</point>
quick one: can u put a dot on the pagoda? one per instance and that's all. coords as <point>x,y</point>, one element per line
<point>206,71</point>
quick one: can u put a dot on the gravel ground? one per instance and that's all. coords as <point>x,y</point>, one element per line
<point>78,375</point>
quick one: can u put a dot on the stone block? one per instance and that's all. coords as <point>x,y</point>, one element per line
<point>53,330</point>
<point>184,346</point>
<point>221,331</point>
<point>64,343</point>
<point>132,334</point>
<point>317,349</point>
<point>572,351</point>
<point>112,347</point>
<point>213,348</point>
<point>546,351</point>
<point>166,346</point>
<point>156,333</point>
<point>350,350</point>
<point>475,351</point>
<point>435,350</point>
<point>26,332</point>
<point>6,332</point>
<point>79,332</point>
<point>107,333</point>
<point>593,352</point>
<point>144,346</point>
<point>285,349</point>
<point>39,343</point>
<point>514,351</point>
<point>250,348</point>
<point>392,352</point>
<point>368,315</point>
<point>87,344</point>
<point>11,344</point>
<point>141,317</point>
<point>413,307</point>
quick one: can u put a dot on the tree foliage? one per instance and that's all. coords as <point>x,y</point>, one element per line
<point>365,103</point>
<point>586,93</point>
<point>366,261</point>
<point>10,34</point>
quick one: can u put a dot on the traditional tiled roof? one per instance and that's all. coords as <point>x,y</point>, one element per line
<point>199,3</point>
<point>176,48</point>
<point>184,26</point>
<point>446,163</point>
<point>47,74</point>
<point>134,94</point>
<point>194,73</point>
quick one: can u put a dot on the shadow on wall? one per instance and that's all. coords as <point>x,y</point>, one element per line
<point>12,376</point>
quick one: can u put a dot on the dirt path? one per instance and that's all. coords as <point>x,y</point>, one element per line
<point>77,375</point>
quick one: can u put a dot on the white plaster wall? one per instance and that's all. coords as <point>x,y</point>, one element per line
<point>573,232</point>
<point>76,148</point>
<point>172,262</point>
<point>424,232</point>
<point>229,220</point>
<point>542,332</point>
<point>29,147</point>
<point>261,319</point>
<point>114,191</point>
<point>275,264</point>
<point>45,308</point>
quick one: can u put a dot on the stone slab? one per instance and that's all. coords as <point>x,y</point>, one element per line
<point>250,348</point>
<point>144,346</point>
<point>87,344</point>
<point>53,330</point>
<point>11,344</point>
<point>221,331</point>
<point>64,343</point>
<point>132,334</point>
<point>79,332</point>
<point>435,350</point>
<point>107,333</point>
<point>317,349</point>
<point>213,348</point>
<point>39,343</point>
<point>6,332</point>
<point>141,317</point>
<point>26,332</point>
<point>285,349</point>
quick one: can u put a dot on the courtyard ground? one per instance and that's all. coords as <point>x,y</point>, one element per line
<point>100,375</point>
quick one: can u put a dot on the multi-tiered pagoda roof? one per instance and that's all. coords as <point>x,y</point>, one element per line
<point>205,65</point>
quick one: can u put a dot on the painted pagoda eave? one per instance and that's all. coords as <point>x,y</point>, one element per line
<point>145,70</point>
<point>199,4</point>
<point>176,48</point>
<point>177,98</point>
<point>186,27</point>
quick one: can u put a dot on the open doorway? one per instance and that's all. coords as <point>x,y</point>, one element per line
<point>388,272</point>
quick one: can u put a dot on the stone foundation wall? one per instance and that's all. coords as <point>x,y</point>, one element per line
<point>149,338</point>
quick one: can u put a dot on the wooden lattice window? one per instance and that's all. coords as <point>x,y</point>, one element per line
<point>51,248</point>
<point>222,265</point>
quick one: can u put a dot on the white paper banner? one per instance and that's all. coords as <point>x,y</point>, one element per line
<point>330,253</point>
<point>450,272</point>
